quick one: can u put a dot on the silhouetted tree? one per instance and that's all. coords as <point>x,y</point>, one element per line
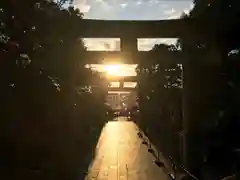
<point>217,28</point>
<point>46,122</point>
<point>159,90</point>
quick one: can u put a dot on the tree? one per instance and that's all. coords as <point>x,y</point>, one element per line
<point>159,91</point>
<point>217,28</point>
<point>44,118</point>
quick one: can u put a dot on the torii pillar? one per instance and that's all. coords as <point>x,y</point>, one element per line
<point>129,45</point>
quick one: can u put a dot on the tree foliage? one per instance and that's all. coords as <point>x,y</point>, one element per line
<point>159,90</point>
<point>212,54</point>
<point>46,105</point>
<point>218,21</point>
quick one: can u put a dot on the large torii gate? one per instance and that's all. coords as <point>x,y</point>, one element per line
<point>129,32</point>
<point>193,91</point>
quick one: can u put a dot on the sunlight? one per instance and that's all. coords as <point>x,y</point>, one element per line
<point>115,150</point>
<point>114,70</point>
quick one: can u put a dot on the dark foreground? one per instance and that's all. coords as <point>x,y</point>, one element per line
<point>114,152</point>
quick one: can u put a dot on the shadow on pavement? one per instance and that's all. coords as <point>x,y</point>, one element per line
<point>34,154</point>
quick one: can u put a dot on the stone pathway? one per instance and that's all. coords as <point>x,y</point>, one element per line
<point>120,155</point>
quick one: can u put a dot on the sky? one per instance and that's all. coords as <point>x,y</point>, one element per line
<point>133,9</point>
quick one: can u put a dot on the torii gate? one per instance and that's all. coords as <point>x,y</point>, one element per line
<point>129,31</point>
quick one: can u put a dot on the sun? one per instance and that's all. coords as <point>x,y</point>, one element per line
<point>113,70</point>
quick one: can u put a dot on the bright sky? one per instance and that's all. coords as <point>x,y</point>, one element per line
<point>133,9</point>
<point>129,10</point>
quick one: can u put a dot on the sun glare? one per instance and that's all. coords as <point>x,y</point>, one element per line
<point>114,70</point>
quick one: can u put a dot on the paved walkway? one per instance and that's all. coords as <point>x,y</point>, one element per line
<point>120,155</point>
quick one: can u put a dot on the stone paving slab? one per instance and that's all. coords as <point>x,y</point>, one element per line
<point>120,155</point>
